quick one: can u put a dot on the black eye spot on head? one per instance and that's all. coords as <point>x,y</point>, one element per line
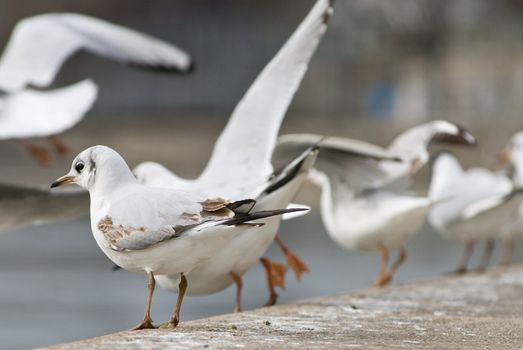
<point>78,167</point>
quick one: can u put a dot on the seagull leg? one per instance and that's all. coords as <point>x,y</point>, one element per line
<point>297,265</point>
<point>399,261</point>
<point>182,287</point>
<point>239,284</point>
<point>507,255</point>
<point>384,276</point>
<point>489,247</point>
<point>275,277</point>
<point>41,154</point>
<point>467,253</point>
<point>58,145</point>
<point>147,322</point>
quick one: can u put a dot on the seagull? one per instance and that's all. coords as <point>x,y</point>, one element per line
<point>364,204</point>
<point>478,203</point>
<point>513,155</point>
<point>23,205</point>
<point>155,231</point>
<point>33,56</point>
<point>241,162</point>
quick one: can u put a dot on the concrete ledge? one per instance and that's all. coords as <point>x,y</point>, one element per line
<point>472,312</point>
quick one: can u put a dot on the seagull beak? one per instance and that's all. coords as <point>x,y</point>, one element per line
<point>64,180</point>
<point>505,156</point>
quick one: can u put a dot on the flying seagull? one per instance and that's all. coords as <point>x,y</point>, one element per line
<point>33,56</point>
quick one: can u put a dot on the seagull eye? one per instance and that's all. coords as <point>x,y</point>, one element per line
<point>79,167</point>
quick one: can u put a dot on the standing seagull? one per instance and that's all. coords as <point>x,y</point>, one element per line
<point>33,56</point>
<point>361,207</point>
<point>241,161</point>
<point>152,230</point>
<point>478,204</point>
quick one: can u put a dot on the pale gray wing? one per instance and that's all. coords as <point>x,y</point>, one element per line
<point>345,161</point>
<point>245,146</point>
<point>22,206</point>
<point>31,113</point>
<point>39,45</point>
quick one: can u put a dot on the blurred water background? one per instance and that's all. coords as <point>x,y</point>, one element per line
<point>382,67</point>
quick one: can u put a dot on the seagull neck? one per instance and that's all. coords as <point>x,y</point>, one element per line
<point>110,179</point>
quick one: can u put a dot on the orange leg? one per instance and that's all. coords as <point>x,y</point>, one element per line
<point>147,322</point>
<point>399,261</point>
<point>58,145</point>
<point>275,277</point>
<point>296,264</point>
<point>239,284</point>
<point>41,154</point>
<point>384,276</point>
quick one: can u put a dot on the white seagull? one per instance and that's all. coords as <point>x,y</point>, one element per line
<point>153,230</point>
<point>241,162</point>
<point>361,207</point>
<point>33,56</point>
<point>478,204</point>
<point>513,154</point>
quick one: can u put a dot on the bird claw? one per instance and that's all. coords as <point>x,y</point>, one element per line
<point>146,324</point>
<point>297,265</point>
<point>172,324</point>
<point>277,272</point>
<point>273,298</point>
<point>383,280</point>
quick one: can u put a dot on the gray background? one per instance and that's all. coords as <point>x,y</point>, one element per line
<point>382,66</point>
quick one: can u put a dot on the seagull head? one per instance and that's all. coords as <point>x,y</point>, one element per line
<point>97,168</point>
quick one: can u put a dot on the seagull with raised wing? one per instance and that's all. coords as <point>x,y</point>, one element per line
<point>33,56</point>
<point>241,162</point>
<point>155,231</point>
<point>363,206</point>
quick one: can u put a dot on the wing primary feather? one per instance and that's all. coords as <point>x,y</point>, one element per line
<point>247,218</point>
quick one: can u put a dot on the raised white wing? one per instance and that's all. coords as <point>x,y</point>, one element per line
<point>39,45</point>
<point>245,146</point>
<point>31,113</point>
<point>345,161</point>
<point>412,145</point>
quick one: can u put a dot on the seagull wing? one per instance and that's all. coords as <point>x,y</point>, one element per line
<point>31,113</point>
<point>39,45</point>
<point>244,148</point>
<point>24,206</point>
<point>345,161</point>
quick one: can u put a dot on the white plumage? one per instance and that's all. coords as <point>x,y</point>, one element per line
<point>364,204</point>
<point>240,164</point>
<point>39,46</point>
<point>152,230</point>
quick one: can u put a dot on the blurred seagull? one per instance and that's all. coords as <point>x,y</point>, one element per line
<point>24,206</point>
<point>513,155</point>
<point>364,204</point>
<point>479,205</point>
<point>35,52</point>
<point>241,162</point>
<point>152,230</point>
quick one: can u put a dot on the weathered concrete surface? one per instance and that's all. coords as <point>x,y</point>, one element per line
<point>472,312</point>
